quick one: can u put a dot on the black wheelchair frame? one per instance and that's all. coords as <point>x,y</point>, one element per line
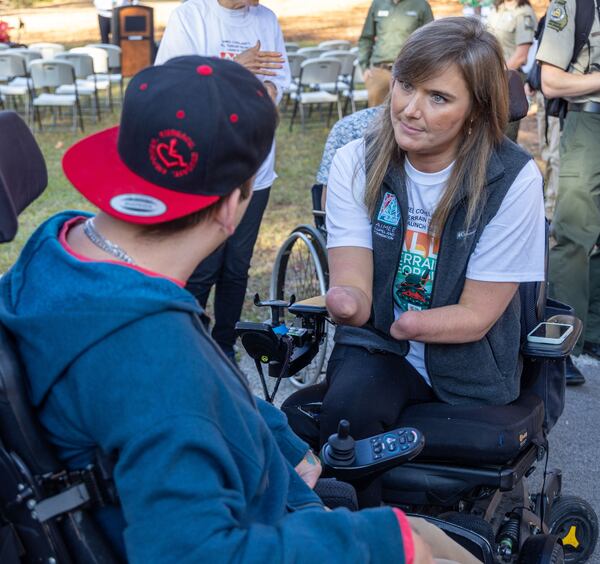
<point>301,270</point>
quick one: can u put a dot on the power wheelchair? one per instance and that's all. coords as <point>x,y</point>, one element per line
<point>470,477</point>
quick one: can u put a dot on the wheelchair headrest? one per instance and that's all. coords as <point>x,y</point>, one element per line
<point>23,175</point>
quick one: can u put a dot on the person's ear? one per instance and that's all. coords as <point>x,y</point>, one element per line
<point>227,213</point>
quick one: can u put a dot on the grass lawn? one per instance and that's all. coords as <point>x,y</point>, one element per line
<point>298,157</point>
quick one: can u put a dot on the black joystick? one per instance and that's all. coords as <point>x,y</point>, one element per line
<point>340,446</point>
<point>349,460</point>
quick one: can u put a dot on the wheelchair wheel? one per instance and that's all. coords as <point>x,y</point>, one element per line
<point>301,269</point>
<point>542,549</point>
<point>575,522</point>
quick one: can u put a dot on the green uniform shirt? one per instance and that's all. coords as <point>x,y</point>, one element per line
<point>512,26</point>
<point>387,27</point>
<point>559,40</point>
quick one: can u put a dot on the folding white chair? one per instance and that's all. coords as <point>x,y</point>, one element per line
<point>51,74</point>
<point>48,50</point>
<point>114,75</point>
<point>334,44</point>
<point>353,94</point>
<point>311,52</point>
<point>99,74</point>
<point>295,61</point>
<point>347,61</point>
<point>83,66</point>
<point>13,66</point>
<point>291,47</point>
<point>315,72</point>
<point>28,54</point>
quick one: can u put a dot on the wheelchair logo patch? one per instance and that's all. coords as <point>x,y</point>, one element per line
<point>389,212</point>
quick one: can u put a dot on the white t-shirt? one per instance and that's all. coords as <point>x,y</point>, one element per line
<point>204,27</point>
<point>510,249</point>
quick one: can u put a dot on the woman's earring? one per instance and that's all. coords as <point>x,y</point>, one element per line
<point>470,128</point>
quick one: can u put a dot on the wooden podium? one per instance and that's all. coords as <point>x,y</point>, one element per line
<point>133,31</point>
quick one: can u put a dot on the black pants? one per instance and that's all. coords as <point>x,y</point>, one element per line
<point>227,270</point>
<point>370,390</point>
<point>104,24</point>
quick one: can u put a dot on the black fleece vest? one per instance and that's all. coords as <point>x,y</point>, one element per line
<point>482,372</point>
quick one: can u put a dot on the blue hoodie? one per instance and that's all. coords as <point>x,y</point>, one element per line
<point>117,359</point>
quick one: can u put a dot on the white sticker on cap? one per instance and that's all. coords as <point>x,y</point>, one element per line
<point>139,205</point>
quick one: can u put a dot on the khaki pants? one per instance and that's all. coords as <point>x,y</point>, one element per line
<point>443,548</point>
<point>549,142</point>
<point>574,269</point>
<point>378,85</point>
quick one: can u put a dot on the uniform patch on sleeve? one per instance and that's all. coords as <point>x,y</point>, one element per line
<point>558,16</point>
<point>528,22</point>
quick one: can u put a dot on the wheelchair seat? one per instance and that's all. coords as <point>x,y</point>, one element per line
<point>478,434</point>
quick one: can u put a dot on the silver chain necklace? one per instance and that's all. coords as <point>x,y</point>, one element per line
<point>103,243</point>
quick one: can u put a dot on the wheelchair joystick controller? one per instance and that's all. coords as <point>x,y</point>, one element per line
<point>340,445</point>
<point>349,459</point>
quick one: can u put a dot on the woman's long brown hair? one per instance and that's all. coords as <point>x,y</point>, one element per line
<point>427,52</point>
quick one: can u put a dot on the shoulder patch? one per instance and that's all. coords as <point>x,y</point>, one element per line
<point>528,22</point>
<point>558,17</point>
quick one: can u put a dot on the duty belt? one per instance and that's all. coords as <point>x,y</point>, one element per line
<point>591,107</point>
<point>386,66</point>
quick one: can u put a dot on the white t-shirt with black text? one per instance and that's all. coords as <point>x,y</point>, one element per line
<point>510,249</point>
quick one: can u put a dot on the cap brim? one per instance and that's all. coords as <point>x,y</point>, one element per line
<point>95,169</point>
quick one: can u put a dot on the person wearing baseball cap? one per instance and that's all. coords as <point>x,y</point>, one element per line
<point>117,358</point>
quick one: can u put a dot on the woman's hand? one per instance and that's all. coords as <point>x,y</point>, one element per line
<point>260,62</point>
<point>309,469</point>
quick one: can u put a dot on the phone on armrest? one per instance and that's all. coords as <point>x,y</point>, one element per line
<point>550,333</point>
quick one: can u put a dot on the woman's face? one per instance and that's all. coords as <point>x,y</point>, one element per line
<point>428,118</point>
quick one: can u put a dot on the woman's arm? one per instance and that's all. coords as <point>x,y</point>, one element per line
<point>349,296</point>
<point>519,57</point>
<point>558,83</point>
<point>479,307</point>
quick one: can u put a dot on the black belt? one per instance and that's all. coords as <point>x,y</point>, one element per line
<point>592,107</point>
<point>386,66</point>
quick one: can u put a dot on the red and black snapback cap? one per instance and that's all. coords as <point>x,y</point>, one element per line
<point>191,131</point>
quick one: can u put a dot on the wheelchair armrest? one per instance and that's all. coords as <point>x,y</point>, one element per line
<point>315,305</point>
<point>559,351</point>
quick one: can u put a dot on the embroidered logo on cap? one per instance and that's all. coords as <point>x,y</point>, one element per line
<point>173,152</point>
<point>139,205</point>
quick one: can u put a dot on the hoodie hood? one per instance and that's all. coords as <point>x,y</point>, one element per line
<point>58,306</point>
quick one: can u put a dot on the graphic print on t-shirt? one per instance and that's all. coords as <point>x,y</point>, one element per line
<point>416,271</point>
<point>230,48</point>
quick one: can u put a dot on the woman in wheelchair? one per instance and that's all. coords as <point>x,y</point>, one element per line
<point>433,220</point>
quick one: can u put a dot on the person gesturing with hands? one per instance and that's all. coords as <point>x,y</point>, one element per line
<point>248,33</point>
